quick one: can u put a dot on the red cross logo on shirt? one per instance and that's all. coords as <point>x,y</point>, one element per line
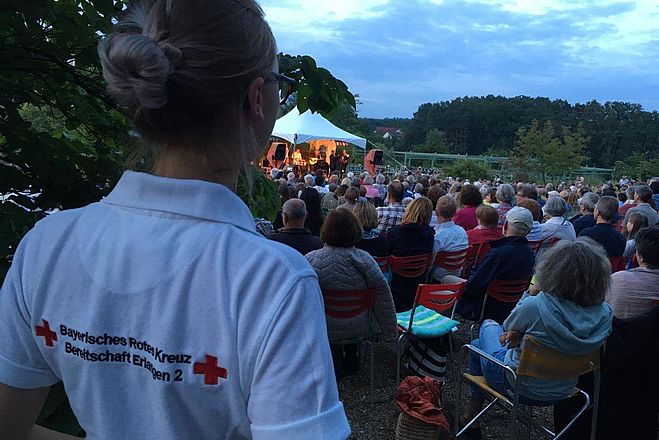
<point>46,332</point>
<point>210,369</point>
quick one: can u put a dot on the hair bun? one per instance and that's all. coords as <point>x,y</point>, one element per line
<point>136,69</point>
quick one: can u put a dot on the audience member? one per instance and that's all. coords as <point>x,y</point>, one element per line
<point>314,220</point>
<point>642,198</point>
<point>371,191</point>
<point>635,291</point>
<point>449,237</point>
<point>470,199</point>
<point>342,267</point>
<point>510,258</point>
<point>635,222</point>
<point>505,197</point>
<point>412,237</point>
<point>585,218</point>
<point>566,312</point>
<point>487,229</point>
<point>373,241</point>
<point>604,232</point>
<point>392,214</point>
<point>556,227</point>
<point>629,203</point>
<point>536,212</point>
<point>351,196</point>
<point>294,234</point>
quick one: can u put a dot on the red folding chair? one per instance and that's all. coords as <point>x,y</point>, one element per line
<point>475,254</point>
<point>507,291</point>
<point>410,267</point>
<point>535,245</point>
<point>452,261</point>
<point>384,263</point>
<point>617,263</point>
<point>348,304</point>
<point>436,297</point>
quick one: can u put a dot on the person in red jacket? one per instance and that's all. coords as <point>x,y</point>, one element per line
<point>487,229</point>
<point>470,199</point>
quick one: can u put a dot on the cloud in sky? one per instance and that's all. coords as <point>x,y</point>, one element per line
<point>398,54</point>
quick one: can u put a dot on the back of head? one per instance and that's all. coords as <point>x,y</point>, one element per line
<point>654,186</point>
<point>532,206</point>
<point>320,180</point>
<point>182,69</point>
<point>341,229</point>
<point>588,201</point>
<point>519,222</point>
<point>434,193</point>
<point>309,180</point>
<point>506,194</point>
<point>607,208</point>
<point>311,198</point>
<point>487,216</point>
<point>368,180</point>
<point>380,179</point>
<point>295,210</point>
<point>644,193</point>
<point>366,215</point>
<point>418,211</point>
<point>470,196</point>
<point>446,207</point>
<point>529,191</point>
<point>647,246</point>
<point>352,194</point>
<point>578,271</point>
<point>396,192</point>
<point>555,206</point>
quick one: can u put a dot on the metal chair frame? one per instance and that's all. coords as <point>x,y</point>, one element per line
<point>499,290</point>
<point>449,260</point>
<point>348,304</point>
<point>475,254</point>
<point>590,362</point>
<point>436,298</point>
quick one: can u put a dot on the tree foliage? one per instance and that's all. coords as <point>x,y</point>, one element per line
<point>544,151</point>
<point>468,169</point>
<point>474,125</point>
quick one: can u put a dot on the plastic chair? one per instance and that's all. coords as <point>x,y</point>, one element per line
<point>438,298</point>
<point>617,263</point>
<point>475,254</point>
<point>535,245</point>
<point>385,266</point>
<point>507,291</point>
<point>452,261</point>
<point>348,304</point>
<point>410,267</point>
<point>542,363</point>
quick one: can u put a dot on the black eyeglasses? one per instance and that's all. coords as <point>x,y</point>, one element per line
<point>286,86</point>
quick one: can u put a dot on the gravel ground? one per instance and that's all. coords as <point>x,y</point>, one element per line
<point>378,421</point>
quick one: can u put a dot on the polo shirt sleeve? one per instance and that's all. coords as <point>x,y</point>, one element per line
<point>293,392</point>
<point>22,364</point>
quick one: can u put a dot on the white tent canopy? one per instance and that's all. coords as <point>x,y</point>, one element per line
<point>298,128</point>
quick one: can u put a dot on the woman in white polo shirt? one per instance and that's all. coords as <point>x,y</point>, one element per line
<point>162,310</point>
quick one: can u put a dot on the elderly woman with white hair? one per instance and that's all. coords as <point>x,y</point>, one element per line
<point>371,191</point>
<point>556,227</point>
<point>505,196</point>
<point>380,184</point>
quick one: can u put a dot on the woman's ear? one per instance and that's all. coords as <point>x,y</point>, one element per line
<point>254,103</point>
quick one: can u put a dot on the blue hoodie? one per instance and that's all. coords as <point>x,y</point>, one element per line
<point>559,324</point>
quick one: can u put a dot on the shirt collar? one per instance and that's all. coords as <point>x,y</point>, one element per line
<point>556,220</point>
<point>186,197</point>
<point>444,225</point>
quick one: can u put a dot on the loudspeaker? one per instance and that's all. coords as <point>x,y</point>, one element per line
<point>280,152</point>
<point>377,158</point>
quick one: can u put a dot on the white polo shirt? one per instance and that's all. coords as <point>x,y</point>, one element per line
<point>167,316</point>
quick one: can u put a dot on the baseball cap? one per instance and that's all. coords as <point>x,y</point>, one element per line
<point>520,218</point>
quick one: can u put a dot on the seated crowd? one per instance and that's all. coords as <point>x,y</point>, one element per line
<point>565,248</point>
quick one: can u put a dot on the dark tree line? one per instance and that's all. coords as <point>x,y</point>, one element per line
<point>488,125</point>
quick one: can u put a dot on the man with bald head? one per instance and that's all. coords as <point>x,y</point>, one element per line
<point>294,234</point>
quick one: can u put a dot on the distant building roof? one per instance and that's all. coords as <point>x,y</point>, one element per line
<point>384,130</point>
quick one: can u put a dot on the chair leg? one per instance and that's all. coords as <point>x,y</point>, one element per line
<point>596,401</point>
<point>371,368</point>
<point>472,334</point>
<point>398,341</point>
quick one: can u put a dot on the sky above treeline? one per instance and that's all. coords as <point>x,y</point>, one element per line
<point>399,54</point>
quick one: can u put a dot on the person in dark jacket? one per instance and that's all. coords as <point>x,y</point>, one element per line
<point>586,219</point>
<point>294,234</point>
<point>413,236</point>
<point>510,258</point>
<point>604,232</point>
<point>314,220</point>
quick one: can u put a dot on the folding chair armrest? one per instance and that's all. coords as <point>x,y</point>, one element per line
<point>481,353</point>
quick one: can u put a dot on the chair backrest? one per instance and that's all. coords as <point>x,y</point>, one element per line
<point>347,304</point>
<point>437,297</point>
<point>550,242</point>
<point>617,263</point>
<point>453,260</point>
<point>475,254</point>
<point>410,267</point>
<point>546,363</point>
<point>384,263</point>
<point>508,291</point>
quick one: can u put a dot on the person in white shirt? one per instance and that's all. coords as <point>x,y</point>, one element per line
<point>556,227</point>
<point>161,308</point>
<point>449,237</point>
